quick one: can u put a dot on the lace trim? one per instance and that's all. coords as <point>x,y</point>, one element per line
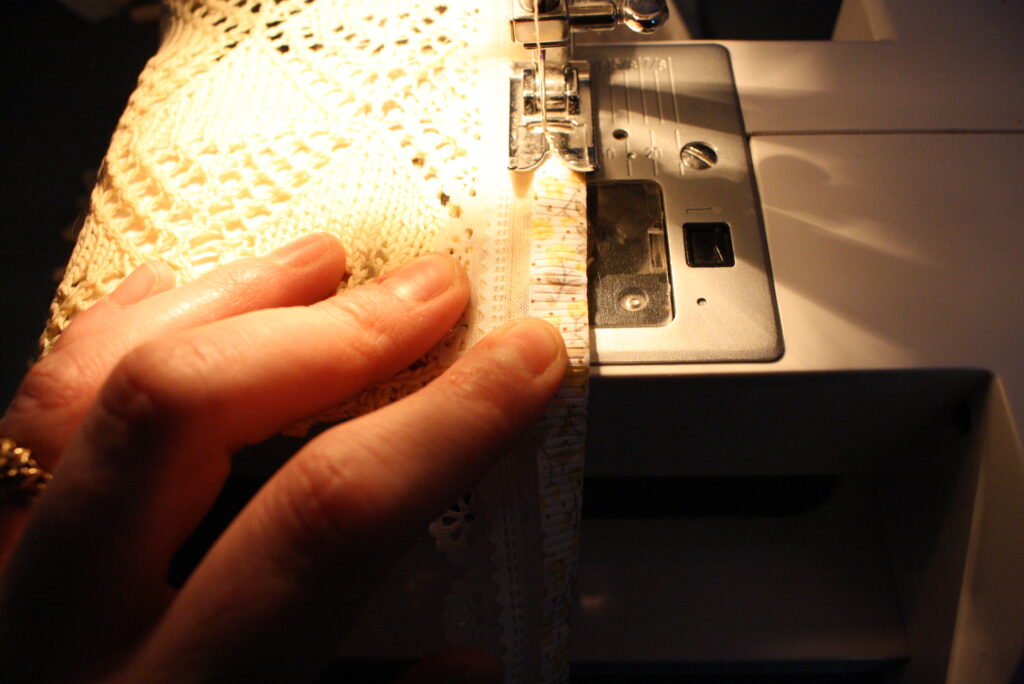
<point>529,505</point>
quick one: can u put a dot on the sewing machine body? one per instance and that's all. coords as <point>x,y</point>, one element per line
<point>854,503</point>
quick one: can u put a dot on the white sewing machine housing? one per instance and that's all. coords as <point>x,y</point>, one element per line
<point>855,506</point>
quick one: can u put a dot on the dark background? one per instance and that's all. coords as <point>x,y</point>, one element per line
<point>65,81</point>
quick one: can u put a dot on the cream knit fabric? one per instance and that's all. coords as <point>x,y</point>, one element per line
<point>384,123</point>
<point>259,121</point>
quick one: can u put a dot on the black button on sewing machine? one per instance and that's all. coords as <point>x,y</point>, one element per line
<point>708,245</point>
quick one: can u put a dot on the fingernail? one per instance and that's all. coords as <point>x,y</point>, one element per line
<point>135,287</point>
<point>301,252</point>
<point>422,279</point>
<point>536,344</point>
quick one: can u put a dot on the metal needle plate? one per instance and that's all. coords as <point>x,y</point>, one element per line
<point>669,114</point>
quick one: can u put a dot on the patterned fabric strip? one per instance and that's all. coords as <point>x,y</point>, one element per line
<point>558,294</point>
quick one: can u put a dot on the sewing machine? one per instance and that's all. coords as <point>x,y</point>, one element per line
<point>855,504</point>
<point>678,265</point>
<point>850,508</point>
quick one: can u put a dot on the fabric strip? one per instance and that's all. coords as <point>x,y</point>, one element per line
<point>558,294</point>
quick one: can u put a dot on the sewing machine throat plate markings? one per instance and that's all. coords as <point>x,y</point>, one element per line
<point>678,267</point>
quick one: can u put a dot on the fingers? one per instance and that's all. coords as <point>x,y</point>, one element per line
<point>339,512</point>
<point>151,278</point>
<point>176,408</point>
<point>58,390</point>
<point>154,450</point>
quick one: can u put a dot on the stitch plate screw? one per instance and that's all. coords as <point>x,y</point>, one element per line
<point>698,156</point>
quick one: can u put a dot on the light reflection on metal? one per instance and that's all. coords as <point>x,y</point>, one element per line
<point>549,105</point>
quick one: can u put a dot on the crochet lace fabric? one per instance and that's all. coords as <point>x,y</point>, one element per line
<point>259,121</point>
<point>384,123</point>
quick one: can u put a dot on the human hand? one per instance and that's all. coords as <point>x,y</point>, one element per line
<point>138,410</point>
